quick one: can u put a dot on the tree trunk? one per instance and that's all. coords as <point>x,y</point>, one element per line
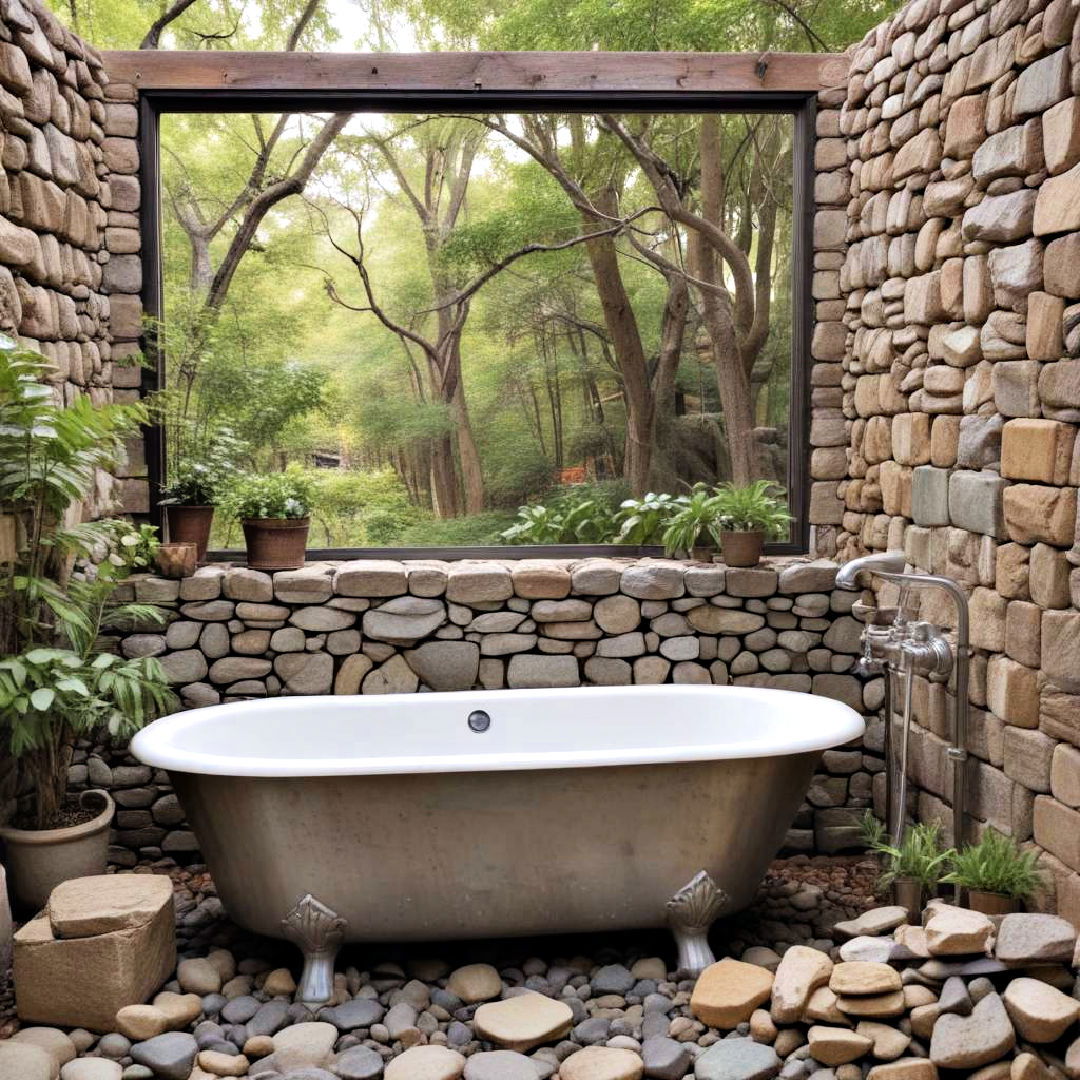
<point>625,337</point>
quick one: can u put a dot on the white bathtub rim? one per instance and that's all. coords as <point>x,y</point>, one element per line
<point>828,723</point>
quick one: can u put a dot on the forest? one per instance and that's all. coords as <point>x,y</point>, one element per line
<point>441,318</point>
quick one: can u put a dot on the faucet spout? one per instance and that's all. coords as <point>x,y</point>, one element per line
<point>891,562</point>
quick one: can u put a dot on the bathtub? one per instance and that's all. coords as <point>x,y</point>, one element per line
<point>493,813</point>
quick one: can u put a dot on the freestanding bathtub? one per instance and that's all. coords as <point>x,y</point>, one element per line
<point>492,813</point>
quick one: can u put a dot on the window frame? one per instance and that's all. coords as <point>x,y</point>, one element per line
<point>275,96</point>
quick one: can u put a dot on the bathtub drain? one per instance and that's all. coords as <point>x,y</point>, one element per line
<point>479,721</point>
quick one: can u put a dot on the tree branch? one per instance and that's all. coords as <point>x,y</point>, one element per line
<point>170,14</point>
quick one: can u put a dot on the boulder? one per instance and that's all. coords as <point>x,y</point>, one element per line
<point>728,991</point>
<point>1034,937</point>
<point>952,931</point>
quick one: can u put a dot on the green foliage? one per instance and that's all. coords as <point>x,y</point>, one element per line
<point>695,522</point>
<point>996,864</point>
<point>873,831</point>
<point>55,683</point>
<point>586,514</point>
<point>263,496</point>
<point>358,508</point>
<point>921,855</point>
<point>643,521</point>
<point>468,531</point>
<point>757,507</point>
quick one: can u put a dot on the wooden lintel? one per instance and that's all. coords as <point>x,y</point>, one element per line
<point>479,72</point>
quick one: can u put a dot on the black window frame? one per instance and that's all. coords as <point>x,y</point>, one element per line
<point>801,106</point>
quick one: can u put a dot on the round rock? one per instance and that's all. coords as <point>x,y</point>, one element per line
<point>523,1021</point>
<point>91,1069</point>
<point>475,982</point>
<point>500,1065</point>
<point>602,1063</point>
<point>426,1063</point>
<point>737,1059</point>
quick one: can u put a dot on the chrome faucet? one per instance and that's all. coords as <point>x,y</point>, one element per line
<point>916,648</point>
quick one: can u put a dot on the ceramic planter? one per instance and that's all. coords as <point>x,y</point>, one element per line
<point>39,859</point>
<point>276,543</point>
<point>741,548</point>
<point>991,903</point>
<point>190,524</point>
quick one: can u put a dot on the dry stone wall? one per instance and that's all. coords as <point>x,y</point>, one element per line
<point>947,382</point>
<point>376,627</point>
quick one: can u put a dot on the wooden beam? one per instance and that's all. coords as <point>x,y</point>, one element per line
<point>479,72</point>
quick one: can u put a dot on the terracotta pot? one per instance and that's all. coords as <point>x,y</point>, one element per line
<point>907,892</point>
<point>39,859</point>
<point>991,903</point>
<point>276,543</point>
<point>177,560</point>
<point>741,548</point>
<point>190,524</point>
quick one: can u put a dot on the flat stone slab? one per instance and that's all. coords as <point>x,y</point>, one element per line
<point>524,1021</point>
<point>426,1063</point>
<point>602,1063</point>
<point>728,991</point>
<point>801,971</point>
<point>737,1059</point>
<point>876,921</point>
<point>1041,1013</point>
<point>1027,937</point>
<point>953,931</point>
<point>863,977</point>
<point>88,906</point>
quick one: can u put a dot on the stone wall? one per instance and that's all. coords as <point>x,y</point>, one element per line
<point>374,627</point>
<point>948,392</point>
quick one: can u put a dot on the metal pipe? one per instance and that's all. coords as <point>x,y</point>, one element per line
<point>957,753</point>
<point>907,666</point>
<point>878,563</point>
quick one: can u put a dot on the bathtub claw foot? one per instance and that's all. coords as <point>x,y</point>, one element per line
<point>318,931</point>
<point>691,911</point>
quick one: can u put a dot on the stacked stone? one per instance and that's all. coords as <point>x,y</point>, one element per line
<point>376,627</point>
<point>55,195</point>
<point>961,377</point>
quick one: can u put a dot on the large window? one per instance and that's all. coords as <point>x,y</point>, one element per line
<point>445,316</point>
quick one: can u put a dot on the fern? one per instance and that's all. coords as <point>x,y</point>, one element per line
<point>996,864</point>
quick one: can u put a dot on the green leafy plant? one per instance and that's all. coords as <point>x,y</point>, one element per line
<point>920,855</point>
<point>695,521</point>
<point>262,496</point>
<point>643,521</point>
<point>873,831</point>
<point>757,507</point>
<point>996,864</point>
<point>566,519</point>
<point>57,594</point>
<point>204,467</point>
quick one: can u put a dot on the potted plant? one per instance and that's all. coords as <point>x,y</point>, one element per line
<point>746,516</point>
<point>56,598</point>
<point>643,521</point>
<point>274,510</point>
<point>692,528</point>
<point>189,504</point>
<point>997,876</point>
<point>915,867</point>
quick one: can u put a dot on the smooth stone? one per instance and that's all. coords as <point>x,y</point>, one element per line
<point>601,1063</point>
<point>240,1010</point>
<point>180,1010</point>
<point>614,979</point>
<point>953,931</point>
<point>737,1059</point>
<point>426,1063</point>
<point>966,1042</point>
<point>874,949</point>
<point>52,1040</point>
<point>664,1058</point>
<point>1025,937</point>
<point>141,1022</point>
<point>355,1013</point>
<point>269,1019</point>
<point>198,976</point>
<point>23,1061</point>
<point>863,977</point>
<point>889,1043</point>
<point>219,1064</point>
<point>1041,1013</point>
<point>279,983</point>
<point>871,923</point>
<point>91,1069</point>
<point>955,997</point>
<point>837,1046</point>
<point>358,1063</point>
<point>114,1045</point>
<point>728,991</point>
<point>170,1056</point>
<point>801,971</point>
<point>474,983</point>
<point>500,1065</point>
<point>304,1044</point>
<point>524,1021</point>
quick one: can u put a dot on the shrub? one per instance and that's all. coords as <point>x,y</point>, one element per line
<point>757,507</point>
<point>920,856</point>
<point>260,496</point>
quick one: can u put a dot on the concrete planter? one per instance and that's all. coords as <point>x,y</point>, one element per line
<point>39,859</point>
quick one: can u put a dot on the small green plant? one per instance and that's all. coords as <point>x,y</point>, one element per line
<point>199,478</point>
<point>263,496</point>
<point>643,521</point>
<point>873,831</point>
<point>566,519</point>
<point>996,864</point>
<point>920,855</point>
<point>757,507</point>
<point>695,521</point>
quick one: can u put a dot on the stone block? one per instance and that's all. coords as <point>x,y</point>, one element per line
<point>930,495</point>
<point>1061,274</point>
<point>1002,219</point>
<point>911,438</point>
<point>1042,84</point>
<point>1061,649</point>
<point>1039,450</point>
<point>965,127</point>
<point>541,579</point>
<point>1044,324</point>
<point>1015,272</point>
<point>1023,634</point>
<point>1016,387</point>
<point>1012,692</point>
<point>944,440</point>
<point>370,578</point>
<point>1057,207</point>
<point>1061,135</point>
<point>1065,775</point>
<point>987,610</point>
<point>1057,828</point>
<point>1059,388</point>
<point>1048,576</point>
<point>531,671</point>
<point>1034,513</point>
<point>975,502</point>
<point>83,981</point>
<point>653,581</point>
